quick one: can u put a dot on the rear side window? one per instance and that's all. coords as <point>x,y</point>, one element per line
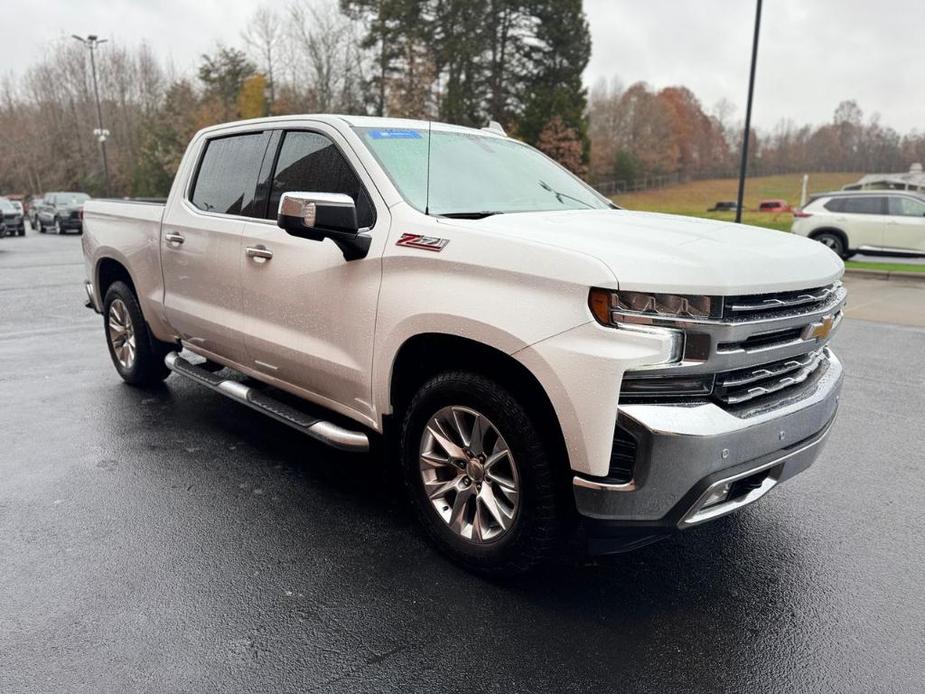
<point>865,205</point>
<point>835,205</point>
<point>227,178</point>
<point>309,162</point>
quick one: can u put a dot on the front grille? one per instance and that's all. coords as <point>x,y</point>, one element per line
<point>742,385</point>
<point>760,306</point>
<point>764,345</point>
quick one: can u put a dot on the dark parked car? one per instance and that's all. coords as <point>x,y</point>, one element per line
<point>724,206</point>
<point>32,208</point>
<point>61,212</point>
<point>12,218</point>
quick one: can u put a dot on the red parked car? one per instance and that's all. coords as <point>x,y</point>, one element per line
<point>774,206</point>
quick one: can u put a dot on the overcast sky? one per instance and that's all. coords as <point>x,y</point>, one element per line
<point>813,53</point>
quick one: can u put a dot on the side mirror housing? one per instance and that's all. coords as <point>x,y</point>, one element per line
<point>317,216</point>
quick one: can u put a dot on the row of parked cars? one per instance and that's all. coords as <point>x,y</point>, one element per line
<point>763,206</point>
<point>60,212</point>
<point>872,222</point>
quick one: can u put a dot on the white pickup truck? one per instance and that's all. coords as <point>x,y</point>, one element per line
<point>547,365</point>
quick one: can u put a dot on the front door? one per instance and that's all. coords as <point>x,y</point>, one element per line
<point>906,228</point>
<point>201,245</point>
<point>311,314</point>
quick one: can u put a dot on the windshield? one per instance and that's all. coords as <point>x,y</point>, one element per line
<point>71,198</point>
<point>6,205</point>
<point>472,174</point>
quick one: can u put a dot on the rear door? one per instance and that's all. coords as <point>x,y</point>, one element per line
<point>310,314</point>
<point>906,228</point>
<point>201,243</point>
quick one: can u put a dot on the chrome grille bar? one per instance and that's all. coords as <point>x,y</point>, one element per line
<point>737,379</point>
<point>770,302</point>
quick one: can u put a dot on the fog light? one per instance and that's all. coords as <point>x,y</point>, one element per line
<point>717,495</point>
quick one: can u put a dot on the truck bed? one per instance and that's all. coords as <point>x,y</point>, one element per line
<point>127,231</point>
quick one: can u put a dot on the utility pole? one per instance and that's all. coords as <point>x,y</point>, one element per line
<point>92,42</point>
<point>748,115</point>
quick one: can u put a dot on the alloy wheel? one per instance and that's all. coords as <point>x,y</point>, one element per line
<point>469,474</point>
<point>121,334</point>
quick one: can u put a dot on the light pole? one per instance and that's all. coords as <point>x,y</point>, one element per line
<point>91,42</point>
<point>748,115</point>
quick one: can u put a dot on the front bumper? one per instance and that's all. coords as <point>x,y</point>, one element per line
<point>686,452</point>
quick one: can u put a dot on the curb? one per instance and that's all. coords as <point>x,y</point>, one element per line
<point>886,274</point>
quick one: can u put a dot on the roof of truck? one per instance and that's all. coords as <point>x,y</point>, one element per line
<point>362,122</point>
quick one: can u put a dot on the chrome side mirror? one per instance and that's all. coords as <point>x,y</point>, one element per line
<point>317,216</point>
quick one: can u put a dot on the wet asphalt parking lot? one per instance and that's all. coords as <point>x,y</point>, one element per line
<point>174,541</point>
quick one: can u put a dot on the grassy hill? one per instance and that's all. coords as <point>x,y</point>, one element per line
<point>694,198</point>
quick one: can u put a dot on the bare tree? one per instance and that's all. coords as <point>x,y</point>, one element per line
<point>323,46</point>
<point>264,35</point>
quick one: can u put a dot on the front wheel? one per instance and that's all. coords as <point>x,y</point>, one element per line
<point>834,242</point>
<point>58,228</point>
<point>137,355</point>
<point>39,225</point>
<point>479,472</point>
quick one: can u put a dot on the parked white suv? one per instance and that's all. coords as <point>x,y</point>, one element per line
<point>882,222</point>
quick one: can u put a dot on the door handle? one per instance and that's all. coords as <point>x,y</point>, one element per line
<point>174,237</point>
<point>259,254</point>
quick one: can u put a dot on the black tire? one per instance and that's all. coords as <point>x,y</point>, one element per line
<point>539,526</point>
<point>59,230</point>
<point>834,242</point>
<point>148,366</point>
<point>39,226</point>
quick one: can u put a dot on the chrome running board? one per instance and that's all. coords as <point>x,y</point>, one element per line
<point>327,432</point>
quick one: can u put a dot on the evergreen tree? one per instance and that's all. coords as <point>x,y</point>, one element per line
<point>558,59</point>
<point>224,75</point>
<point>390,26</point>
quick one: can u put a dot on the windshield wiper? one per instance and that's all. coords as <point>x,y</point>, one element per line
<point>559,195</point>
<point>469,215</point>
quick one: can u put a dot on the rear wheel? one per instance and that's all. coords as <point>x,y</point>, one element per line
<point>834,242</point>
<point>480,475</point>
<point>137,355</point>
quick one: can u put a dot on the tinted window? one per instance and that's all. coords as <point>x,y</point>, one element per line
<point>835,205</point>
<point>865,205</point>
<point>227,177</point>
<point>907,207</point>
<point>311,163</point>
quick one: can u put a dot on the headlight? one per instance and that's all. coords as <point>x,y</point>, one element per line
<point>608,308</point>
<point>607,305</point>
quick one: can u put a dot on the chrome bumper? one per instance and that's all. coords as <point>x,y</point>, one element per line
<point>687,451</point>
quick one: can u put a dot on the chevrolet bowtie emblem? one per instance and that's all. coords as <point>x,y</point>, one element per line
<point>820,330</point>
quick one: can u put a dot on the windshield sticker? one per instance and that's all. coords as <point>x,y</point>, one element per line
<point>395,134</point>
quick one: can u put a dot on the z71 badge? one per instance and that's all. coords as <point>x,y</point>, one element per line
<point>425,243</point>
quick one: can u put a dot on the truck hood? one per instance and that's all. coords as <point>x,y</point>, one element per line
<point>669,253</point>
